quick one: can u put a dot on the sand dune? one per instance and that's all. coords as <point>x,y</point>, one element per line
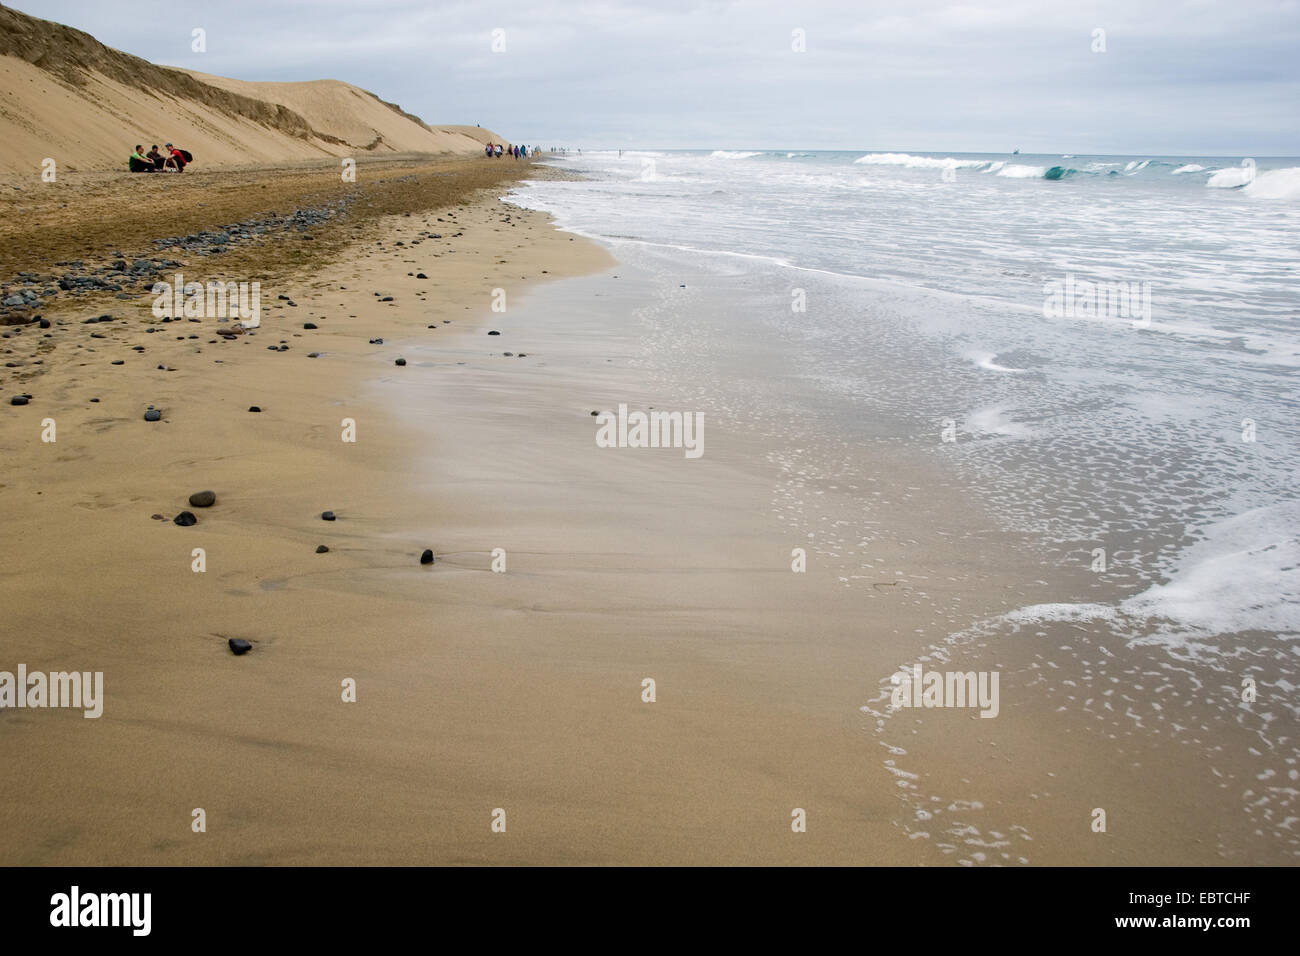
<point>66,96</point>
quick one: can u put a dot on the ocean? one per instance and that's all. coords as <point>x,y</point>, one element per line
<point>1174,432</point>
<point>1101,350</point>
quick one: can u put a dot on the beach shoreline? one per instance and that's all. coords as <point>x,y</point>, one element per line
<point>510,675</point>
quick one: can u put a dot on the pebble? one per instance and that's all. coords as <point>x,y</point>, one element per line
<point>400,361</point>
<point>321,549</point>
<point>203,499</point>
<point>327,516</point>
<point>18,400</point>
<point>309,325</point>
<point>494,332</point>
<point>186,519</point>
<point>239,646</point>
<point>427,557</point>
<point>152,415</point>
<point>254,408</point>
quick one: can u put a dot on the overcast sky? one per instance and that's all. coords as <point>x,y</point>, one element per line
<point>1183,77</point>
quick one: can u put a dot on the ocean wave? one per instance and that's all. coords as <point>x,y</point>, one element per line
<point>1231,177</point>
<point>919,162</point>
<point>731,154</point>
<point>1276,184</point>
<point>1016,171</point>
<point>1189,168</point>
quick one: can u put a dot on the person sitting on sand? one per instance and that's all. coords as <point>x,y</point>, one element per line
<point>487,151</point>
<point>139,163</point>
<point>175,159</point>
<point>155,157</point>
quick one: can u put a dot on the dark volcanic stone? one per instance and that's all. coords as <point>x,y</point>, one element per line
<point>309,325</point>
<point>494,332</point>
<point>239,646</point>
<point>254,408</point>
<point>321,549</point>
<point>18,400</point>
<point>327,516</point>
<point>152,415</point>
<point>203,499</point>
<point>421,275</point>
<point>186,519</point>
<point>427,557</point>
<point>400,361</point>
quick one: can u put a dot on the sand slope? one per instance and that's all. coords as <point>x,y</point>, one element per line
<point>66,96</point>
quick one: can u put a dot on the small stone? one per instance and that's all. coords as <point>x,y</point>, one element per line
<point>309,325</point>
<point>321,549</point>
<point>494,332</point>
<point>203,499</point>
<point>327,516</point>
<point>158,517</point>
<point>119,362</point>
<point>239,646</point>
<point>400,361</point>
<point>186,519</point>
<point>313,355</point>
<point>254,408</point>
<point>152,415</point>
<point>595,414</point>
<point>421,275</point>
<point>18,400</point>
<point>427,557</point>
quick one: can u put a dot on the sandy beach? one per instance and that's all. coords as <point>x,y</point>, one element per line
<point>386,492</point>
<point>508,675</point>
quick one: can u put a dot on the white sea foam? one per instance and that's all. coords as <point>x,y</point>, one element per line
<point>994,420</point>
<point>1016,171</point>
<point>919,162</point>
<point>1276,184</point>
<point>1189,168</point>
<point>1230,178</point>
<point>1244,574</point>
<point>731,154</point>
<point>986,360</point>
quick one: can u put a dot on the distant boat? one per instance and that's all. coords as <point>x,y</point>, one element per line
<point>1015,152</point>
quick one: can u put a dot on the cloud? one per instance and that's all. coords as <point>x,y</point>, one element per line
<point>1178,76</point>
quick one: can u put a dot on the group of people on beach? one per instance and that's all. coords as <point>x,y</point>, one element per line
<point>173,160</point>
<point>495,150</point>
